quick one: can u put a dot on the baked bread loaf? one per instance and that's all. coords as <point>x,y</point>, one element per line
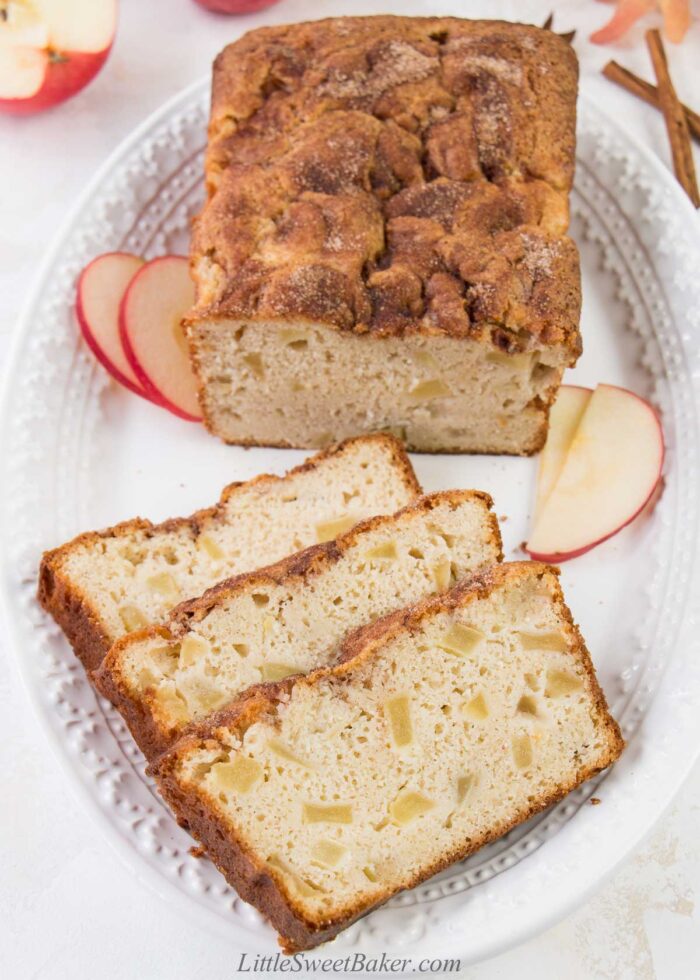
<point>292,617</point>
<point>105,584</point>
<point>320,797</point>
<point>384,242</point>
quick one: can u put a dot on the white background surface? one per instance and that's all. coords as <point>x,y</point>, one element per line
<point>68,908</point>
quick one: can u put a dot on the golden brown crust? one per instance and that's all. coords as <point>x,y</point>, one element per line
<point>71,609</point>
<point>243,870</point>
<point>394,175</point>
<point>77,616</point>
<point>257,885</point>
<point>149,729</point>
<point>150,732</point>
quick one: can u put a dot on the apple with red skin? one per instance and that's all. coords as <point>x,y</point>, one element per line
<point>564,418</point>
<point>130,314</point>
<point>51,49</point>
<point>101,286</point>
<point>150,324</point>
<point>235,6</point>
<point>609,474</point>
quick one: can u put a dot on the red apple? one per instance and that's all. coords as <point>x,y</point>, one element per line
<point>101,286</point>
<point>610,472</point>
<point>51,49</point>
<point>235,6</point>
<point>150,324</point>
<point>564,417</point>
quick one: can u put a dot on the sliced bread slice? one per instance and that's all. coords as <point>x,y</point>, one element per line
<point>105,584</point>
<point>292,617</point>
<point>446,725</point>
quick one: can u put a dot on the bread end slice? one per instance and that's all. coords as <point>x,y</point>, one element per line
<point>446,725</point>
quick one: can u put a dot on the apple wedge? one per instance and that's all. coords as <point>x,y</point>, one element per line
<point>235,6</point>
<point>564,419</point>
<point>51,49</point>
<point>611,470</point>
<point>150,325</point>
<point>101,286</point>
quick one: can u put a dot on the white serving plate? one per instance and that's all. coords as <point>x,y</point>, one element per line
<point>78,453</point>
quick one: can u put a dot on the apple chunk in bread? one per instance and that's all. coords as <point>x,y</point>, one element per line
<point>101,287</point>
<point>611,470</point>
<point>50,50</point>
<point>564,418</point>
<point>150,322</point>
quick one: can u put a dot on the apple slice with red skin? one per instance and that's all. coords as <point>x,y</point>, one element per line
<point>564,418</point>
<point>150,325</point>
<point>101,286</point>
<point>51,49</point>
<point>235,6</point>
<point>610,472</point>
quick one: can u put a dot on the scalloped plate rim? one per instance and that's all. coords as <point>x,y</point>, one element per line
<point>598,866</point>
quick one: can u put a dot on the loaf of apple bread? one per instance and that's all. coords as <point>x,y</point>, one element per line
<point>105,584</point>
<point>292,617</point>
<point>446,725</point>
<point>384,241</point>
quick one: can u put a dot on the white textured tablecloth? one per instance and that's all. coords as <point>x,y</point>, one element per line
<point>68,907</point>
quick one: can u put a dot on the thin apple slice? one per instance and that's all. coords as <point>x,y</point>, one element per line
<point>150,323</point>
<point>610,472</point>
<point>101,286</point>
<point>564,419</point>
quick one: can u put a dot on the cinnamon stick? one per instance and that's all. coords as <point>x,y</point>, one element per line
<point>635,85</point>
<point>676,123</point>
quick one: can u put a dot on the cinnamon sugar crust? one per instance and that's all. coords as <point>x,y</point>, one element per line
<point>392,175</point>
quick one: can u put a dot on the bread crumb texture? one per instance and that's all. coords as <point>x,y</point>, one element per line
<point>294,617</point>
<point>104,585</point>
<point>382,189</point>
<point>449,724</point>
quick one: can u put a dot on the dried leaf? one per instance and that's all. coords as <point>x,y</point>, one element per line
<point>627,13</point>
<point>676,18</point>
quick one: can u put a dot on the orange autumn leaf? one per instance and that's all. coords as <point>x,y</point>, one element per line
<point>676,18</point>
<point>626,15</point>
<point>676,14</point>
